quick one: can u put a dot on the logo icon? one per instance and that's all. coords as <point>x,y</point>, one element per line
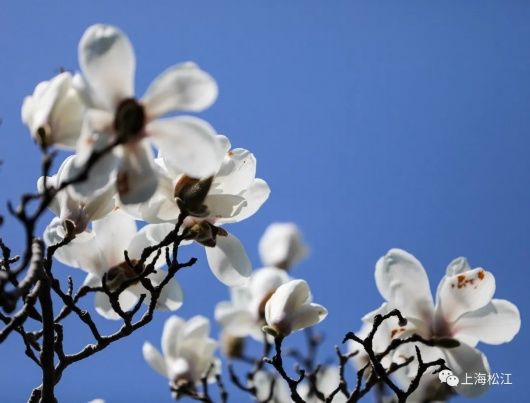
<point>447,376</point>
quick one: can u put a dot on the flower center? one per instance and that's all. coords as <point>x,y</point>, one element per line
<point>190,194</point>
<point>121,273</point>
<point>129,120</point>
<point>205,233</point>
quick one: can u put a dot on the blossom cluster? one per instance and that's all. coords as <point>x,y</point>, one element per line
<point>462,314</point>
<point>134,176</point>
<point>271,304</point>
<point>138,172</point>
<point>152,168</point>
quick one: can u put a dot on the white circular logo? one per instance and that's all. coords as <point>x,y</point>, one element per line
<point>452,380</point>
<point>444,374</point>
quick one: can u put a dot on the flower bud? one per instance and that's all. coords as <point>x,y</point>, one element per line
<point>54,113</point>
<point>290,309</point>
<point>282,245</point>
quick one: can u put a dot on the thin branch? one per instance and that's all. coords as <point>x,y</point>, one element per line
<point>277,362</point>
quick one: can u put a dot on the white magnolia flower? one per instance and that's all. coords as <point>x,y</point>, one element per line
<point>73,212</point>
<point>282,245</point>
<point>231,195</point>
<point>244,314</point>
<point>290,309</point>
<point>187,351</point>
<point>327,381</point>
<point>54,113</point>
<point>107,63</point>
<point>100,252</point>
<point>464,311</point>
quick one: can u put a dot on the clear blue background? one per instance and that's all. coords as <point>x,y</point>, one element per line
<point>377,125</point>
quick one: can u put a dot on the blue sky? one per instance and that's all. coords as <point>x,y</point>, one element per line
<point>377,125</point>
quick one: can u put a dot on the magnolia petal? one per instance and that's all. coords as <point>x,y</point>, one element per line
<point>206,359</point>
<point>229,261</point>
<point>254,196</point>
<point>236,174</point>
<point>156,233</point>
<point>241,296</point>
<point>179,368</point>
<point>171,296</point>
<point>81,253</point>
<point>328,382</point>
<point>170,336</point>
<point>281,393</point>
<point>127,300</point>
<point>56,107</point>
<point>497,322</point>
<point>402,281</point>
<point>236,321</point>
<point>224,206</point>
<point>160,208</point>
<point>100,174</point>
<point>288,298</point>
<point>225,143</point>
<point>106,58</point>
<point>114,233</point>
<point>458,266</point>
<point>101,205</point>
<point>137,180</point>
<point>308,315</point>
<point>188,144</point>
<point>154,358</point>
<point>51,182</point>
<point>465,292</point>
<point>66,120</point>
<point>196,327</point>
<point>94,134</point>
<point>183,87</point>
<point>100,177</point>
<point>92,280</point>
<point>389,328</point>
<point>466,360</point>
<point>37,107</point>
<point>139,242</point>
<point>265,281</point>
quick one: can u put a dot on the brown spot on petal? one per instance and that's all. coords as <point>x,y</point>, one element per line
<point>481,275</point>
<point>461,281</point>
<point>230,153</point>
